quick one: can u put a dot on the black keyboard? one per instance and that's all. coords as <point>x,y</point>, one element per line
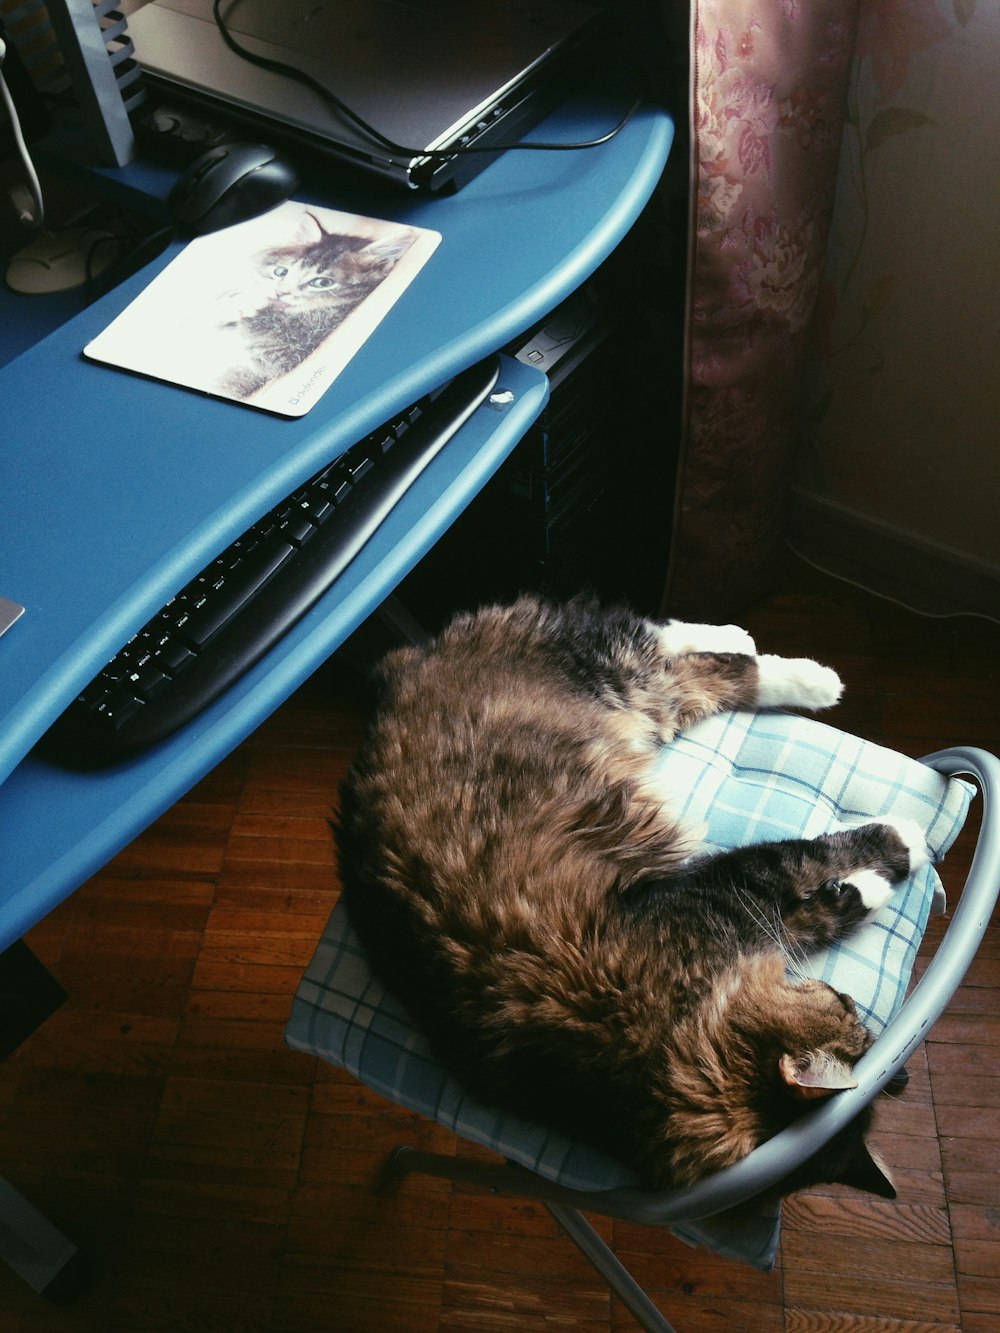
<point>240,605</point>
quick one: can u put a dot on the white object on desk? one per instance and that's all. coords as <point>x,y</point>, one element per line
<point>9,612</point>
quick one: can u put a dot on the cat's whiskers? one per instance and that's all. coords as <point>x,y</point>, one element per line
<point>774,929</point>
<point>796,957</point>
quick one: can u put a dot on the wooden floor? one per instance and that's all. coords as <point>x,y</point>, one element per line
<point>226,1185</point>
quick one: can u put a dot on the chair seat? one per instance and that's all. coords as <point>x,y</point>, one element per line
<point>748,777</point>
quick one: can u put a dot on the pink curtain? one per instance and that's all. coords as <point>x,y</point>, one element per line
<point>767,108</point>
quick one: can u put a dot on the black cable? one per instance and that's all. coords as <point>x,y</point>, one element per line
<point>395,149</point>
<point>126,262</point>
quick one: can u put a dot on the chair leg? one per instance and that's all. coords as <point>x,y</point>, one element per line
<point>618,1278</point>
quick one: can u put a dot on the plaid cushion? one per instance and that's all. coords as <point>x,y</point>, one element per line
<point>749,777</point>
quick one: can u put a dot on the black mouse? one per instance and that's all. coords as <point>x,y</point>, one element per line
<point>231,183</point>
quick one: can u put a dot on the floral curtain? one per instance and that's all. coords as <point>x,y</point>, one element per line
<point>785,96</point>
<point>767,106</point>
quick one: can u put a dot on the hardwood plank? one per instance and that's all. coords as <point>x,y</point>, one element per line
<point>236,1048</point>
<point>889,1295</point>
<point>194,1275</point>
<point>290,877</point>
<point>281,941</point>
<point>481,1295</point>
<point>862,1218</point>
<point>979,1323</point>
<point>472,1211</point>
<point>332,1139</point>
<point>218,972</point>
<point>104,1042</point>
<point>696,1314</point>
<point>231,1198</point>
<point>975,1029</point>
<point>666,1267</point>
<point>905,1116</point>
<point>969,1122</point>
<point>963,1073</point>
<point>976,1222</point>
<point>88,1131</point>
<point>825,1321</point>
<point>514,1258</point>
<point>324,1301</point>
<point>357,1255</point>
<point>925,1261</point>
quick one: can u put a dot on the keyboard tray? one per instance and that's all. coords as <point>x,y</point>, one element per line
<point>239,606</point>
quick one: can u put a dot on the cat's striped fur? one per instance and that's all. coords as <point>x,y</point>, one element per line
<point>524,887</point>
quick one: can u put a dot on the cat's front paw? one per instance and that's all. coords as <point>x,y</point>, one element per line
<point>874,889</point>
<point>911,835</point>
<point>678,637</point>
<point>908,852</point>
<point>796,682</point>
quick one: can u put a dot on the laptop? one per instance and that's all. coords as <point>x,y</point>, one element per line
<point>427,74</point>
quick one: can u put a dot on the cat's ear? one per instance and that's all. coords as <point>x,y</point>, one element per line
<point>865,1170</point>
<point>815,1074</point>
<point>389,247</point>
<point>309,230</point>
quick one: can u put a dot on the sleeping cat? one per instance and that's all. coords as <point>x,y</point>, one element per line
<point>523,887</point>
<point>302,293</point>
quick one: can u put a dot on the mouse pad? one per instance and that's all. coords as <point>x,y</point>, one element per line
<point>269,311</point>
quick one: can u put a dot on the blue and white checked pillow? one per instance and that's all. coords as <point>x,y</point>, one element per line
<point>748,777</point>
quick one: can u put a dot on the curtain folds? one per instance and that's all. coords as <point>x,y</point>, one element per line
<point>768,97</point>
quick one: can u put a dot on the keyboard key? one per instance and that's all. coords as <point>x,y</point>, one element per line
<point>117,709</point>
<point>173,656</point>
<point>317,509</point>
<point>254,572</point>
<point>296,529</point>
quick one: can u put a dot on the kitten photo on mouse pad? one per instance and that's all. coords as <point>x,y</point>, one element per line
<point>521,884</point>
<point>269,311</point>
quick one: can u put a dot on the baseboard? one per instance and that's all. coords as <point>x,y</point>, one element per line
<point>933,580</point>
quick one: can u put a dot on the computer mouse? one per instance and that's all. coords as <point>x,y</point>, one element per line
<point>231,183</point>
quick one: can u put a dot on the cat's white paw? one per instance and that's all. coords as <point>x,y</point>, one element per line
<point>912,837</point>
<point>874,888</point>
<point>796,682</point>
<point>678,637</point>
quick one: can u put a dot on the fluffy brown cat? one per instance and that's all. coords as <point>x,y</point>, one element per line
<point>524,889</point>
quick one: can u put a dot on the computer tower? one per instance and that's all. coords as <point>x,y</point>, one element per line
<point>583,504</point>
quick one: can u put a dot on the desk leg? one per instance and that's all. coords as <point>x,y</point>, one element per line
<point>403,626</point>
<point>32,1246</point>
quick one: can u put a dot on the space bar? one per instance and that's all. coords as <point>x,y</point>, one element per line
<point>243,584</point>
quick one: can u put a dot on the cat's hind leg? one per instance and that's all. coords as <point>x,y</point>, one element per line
<point>696,685</point>
<point>677,637</point>
<point>781,682</point>
<point>796,682</point>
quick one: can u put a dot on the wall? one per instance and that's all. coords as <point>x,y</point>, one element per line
<point>900,475</point>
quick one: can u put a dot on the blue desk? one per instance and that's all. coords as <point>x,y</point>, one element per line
<point>118,489</point>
